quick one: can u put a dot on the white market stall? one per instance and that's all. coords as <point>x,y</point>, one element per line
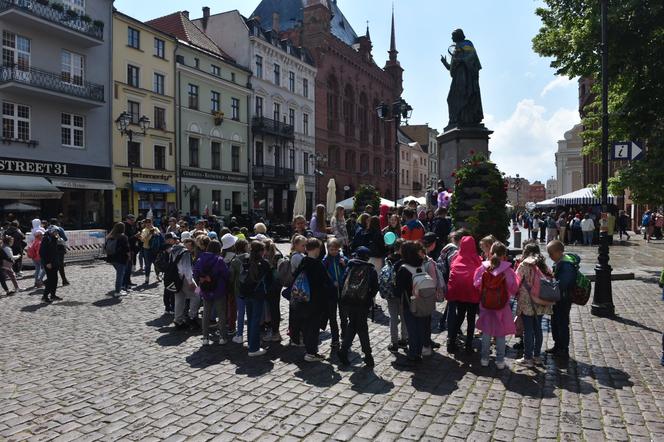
<point>348,203</point>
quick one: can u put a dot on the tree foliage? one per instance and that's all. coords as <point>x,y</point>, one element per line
<point>366,195</point>
<point>479,199</point>
<point>571,36</point>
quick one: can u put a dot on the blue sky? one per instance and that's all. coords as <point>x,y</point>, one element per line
<point>527,106</point>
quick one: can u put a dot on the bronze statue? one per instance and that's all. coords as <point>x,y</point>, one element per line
<point>464,100</point>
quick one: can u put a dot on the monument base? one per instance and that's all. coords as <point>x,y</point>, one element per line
<point>457,144</point>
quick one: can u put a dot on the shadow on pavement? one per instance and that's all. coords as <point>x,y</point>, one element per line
<point>318,374</point>
<point>172,337</point>
<point>214,354</point>
<point>108,302</point>
<point>162,321</point>
<point>69,303</point>
<point>366,381</point>
<point>33,308</point>
<point>633,323</point>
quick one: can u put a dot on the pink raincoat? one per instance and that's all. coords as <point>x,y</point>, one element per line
<point>498,323</point>
<point>460,287</point>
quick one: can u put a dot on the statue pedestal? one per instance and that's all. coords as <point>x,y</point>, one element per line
<point>456,144</point>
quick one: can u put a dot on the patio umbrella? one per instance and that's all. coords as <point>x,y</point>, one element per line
<point>331,197</point>
<point>300,205</point>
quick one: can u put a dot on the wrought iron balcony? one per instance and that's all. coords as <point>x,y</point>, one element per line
<point>273,127</point>
<point>43,10</point>
<point>51,82</point>
<point>273,173</point>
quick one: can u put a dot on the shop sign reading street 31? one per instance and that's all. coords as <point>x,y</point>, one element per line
<point>33,167</point>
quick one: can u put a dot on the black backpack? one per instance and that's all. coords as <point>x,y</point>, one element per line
<point>173,282</point>
<point>161,261</point>
<point>356,286</point>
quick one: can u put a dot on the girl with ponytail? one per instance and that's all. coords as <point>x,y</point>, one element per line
<point>497,283</point>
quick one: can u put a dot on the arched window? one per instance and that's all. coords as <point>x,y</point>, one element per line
<point>349,111</point>
<point>364,118</point>
<point>378,171</point>
<point>332,103</point>
<point>364,163</point>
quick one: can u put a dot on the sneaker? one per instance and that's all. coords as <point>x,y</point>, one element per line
<point>259,352</point>
<point>403,343</point>
<point>46,300</point>
<point>343,358</point>
<point>147,281</point>
<point>56,298</point>
<point>369,361</point>
<point>222,341</point>
<point>484,362</point>
<point>116,294</point>
<point>530,363</point>
<point>500,365</point>
<point>313,358</point>
<point>426,351</point>
<point>238,339</point>
<point>205,341</point>
<point>537,360</point>
<point>393,348</point>
<point>65,282</point>
<point>267,336</point>
<point>276,337</point>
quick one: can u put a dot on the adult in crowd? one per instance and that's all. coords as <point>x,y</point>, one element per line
<point>393,225</point>
<point>588,229</point>
<point>441,226</point>
<point>17,247</point>
<point>150,246</point>
<point>338,226</point>
<point>623,224</point>
<point>50,260</point>
<point>211,276</point>
<point>118,255</point>
<point>62,249</point>
<point>318,224</point>
<point>134,243</point>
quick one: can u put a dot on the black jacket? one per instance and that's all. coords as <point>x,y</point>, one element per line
<point>19,240</point>
<point>121,250</point>
<point>319,282</point>
<point>49,251</point>
<point>373,279</point>
<point>404,287</point>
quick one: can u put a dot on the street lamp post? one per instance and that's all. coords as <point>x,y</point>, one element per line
<point>122,124</point>
<point>319,161</point>
<point>516,185</point>
<point>399,110</point>
<point>603,296</point>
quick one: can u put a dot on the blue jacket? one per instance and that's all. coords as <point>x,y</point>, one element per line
<point>565,273</point>
<point>335,269</point>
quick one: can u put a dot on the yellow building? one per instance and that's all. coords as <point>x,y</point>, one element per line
<point>144,119</point>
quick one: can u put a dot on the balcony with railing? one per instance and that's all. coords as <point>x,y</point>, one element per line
<point>65,22</point>
<point>273,127</point>
<point>61,86</point>
<point>272,173</point>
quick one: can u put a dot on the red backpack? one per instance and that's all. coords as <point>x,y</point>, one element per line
<point>494,291</point>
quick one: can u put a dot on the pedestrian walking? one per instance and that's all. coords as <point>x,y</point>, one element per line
<point>388,291</point>
<point>623,224</point>
<point>357,296</point>
<point>339,230</point>
<point>8,261</point>
<point>182,253</point>
<point>565,273</point>
<point>33,254</point>
<point>118,255</point>
<point>211,276</point>
<point>497,283</point>
<point>62,249</point>
<point>17,247</point>
<point>241,255</point>
<point>50,260</point>
<point>151,241</point>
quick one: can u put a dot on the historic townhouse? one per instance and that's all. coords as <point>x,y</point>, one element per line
<point>352,144</point>
<point>144,114</point>
<point>427,138</point>
<point>212,122</point>
<point>283,110</point>
<point>55,96</point>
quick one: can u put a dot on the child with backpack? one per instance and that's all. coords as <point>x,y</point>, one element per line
<point>309,297</point>
<point>462,296</point>
<point>297,254</point>
<point>241,255</point>
<point>360,285</point>
<point>33,254</point>
<point>565,273</point>
<point>335,264</point>
<point>530,306</point>
<point>211,276</point>
<point>255,280</point>
<point>497,283</point>
<point>417,291</point>
<point>280,267</point>
<point>387,282</point>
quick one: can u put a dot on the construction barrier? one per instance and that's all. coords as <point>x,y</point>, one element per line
<point>82,245</point>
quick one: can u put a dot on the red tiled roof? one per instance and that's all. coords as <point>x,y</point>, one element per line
<point>178,25</point>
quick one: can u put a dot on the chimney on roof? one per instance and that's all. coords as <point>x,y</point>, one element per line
<point>206,17</point>
<point>276,20</point>
<point>185,13</point>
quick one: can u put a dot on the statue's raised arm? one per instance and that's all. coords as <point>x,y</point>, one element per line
<point>464,100</point>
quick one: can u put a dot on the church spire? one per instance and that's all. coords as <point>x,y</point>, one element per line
<point>367,34</point>
<point>393,41</point>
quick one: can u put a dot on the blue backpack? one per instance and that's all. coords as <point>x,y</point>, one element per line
<point>301,291</point>
<point>156,242</point>
<point>387,280</point>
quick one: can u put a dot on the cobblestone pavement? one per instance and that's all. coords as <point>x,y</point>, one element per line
<point>95,368</point>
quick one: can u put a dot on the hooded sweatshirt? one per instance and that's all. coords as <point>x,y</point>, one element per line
<point>460,287</point>
<point>36,225</point>
<point>497,323</point>
<point>212,264</point>
<point>384,217</point>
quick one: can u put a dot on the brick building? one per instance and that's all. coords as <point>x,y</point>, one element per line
<point>352,144</point>
<point>536,192</point>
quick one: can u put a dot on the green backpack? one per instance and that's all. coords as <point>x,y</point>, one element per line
<point>583,286</point>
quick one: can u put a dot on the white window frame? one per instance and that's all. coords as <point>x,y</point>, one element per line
<point>72,128</point>
<point>75,5</point>
<point>213,95</point>
<point>15,119</point>
<point>154,83</point>
<point>159,43</point>
<point>16,49</point>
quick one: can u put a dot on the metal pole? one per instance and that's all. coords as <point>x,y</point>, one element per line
<point>603,296</point>
<point>131,188</point>
<point>397,123</point>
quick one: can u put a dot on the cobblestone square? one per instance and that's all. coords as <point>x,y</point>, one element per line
<point>93,367</point>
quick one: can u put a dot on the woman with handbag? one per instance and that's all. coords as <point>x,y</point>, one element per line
<point>535,277</point>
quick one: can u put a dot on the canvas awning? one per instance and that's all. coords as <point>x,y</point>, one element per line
<point>585,196</point>
<point>19,187</point>
<point>72,183</point>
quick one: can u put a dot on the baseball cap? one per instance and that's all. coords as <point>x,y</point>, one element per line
<point>131,216</point>
<point>362,252</point>
<point>429,238</point>
<point>212,235</point>
<point>259,237</point>
<point>185,235</point>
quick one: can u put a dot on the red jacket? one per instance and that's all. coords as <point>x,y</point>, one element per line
<point>461,286</point>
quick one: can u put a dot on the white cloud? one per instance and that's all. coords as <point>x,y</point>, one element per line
<point>558,82</point>
<point>526,142</point>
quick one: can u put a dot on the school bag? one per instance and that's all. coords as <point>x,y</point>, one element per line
<point>284,275</point>
<point>247,286</point>
<point>173,282</point>
<point>300,292</point>
<point>423,299</point>
<point>161,261</point>
<point>434,271</point>
<point>582,285</point>
<point>356,286</point>
<point>387,281</point>
<point>493,291</point>
<point>111,247</point>
<point>549,290</point>
<point>156,242</point>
